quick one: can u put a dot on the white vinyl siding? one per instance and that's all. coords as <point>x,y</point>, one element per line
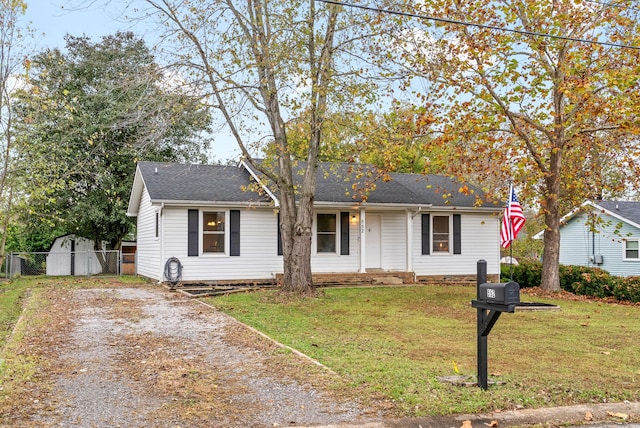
<point>148,252</point>
<point>258,249</point>
<point>480,241</point>
<point>258,245</point>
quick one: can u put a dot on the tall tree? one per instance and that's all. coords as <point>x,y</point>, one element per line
<point>534,104</point>
<point>10,65</point>
<point>265,62</point>
<point>89,114</point>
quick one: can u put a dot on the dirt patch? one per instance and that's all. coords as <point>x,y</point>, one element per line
<point>144,356</point>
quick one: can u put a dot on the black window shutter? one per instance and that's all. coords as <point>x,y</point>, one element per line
<point>279,237</point>
<point>234,229</point>
<point>344,233</point>
<point>426,234</point>
<point>457,235</point>
<point>193,226</point>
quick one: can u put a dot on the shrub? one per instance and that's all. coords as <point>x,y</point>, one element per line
<point>627,289</point>
<point>583,280</point>
<point>527,273</point>
<point>571,276</point>
<point>594,282</point>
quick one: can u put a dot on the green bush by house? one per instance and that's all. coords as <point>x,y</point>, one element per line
<point>582,280</point>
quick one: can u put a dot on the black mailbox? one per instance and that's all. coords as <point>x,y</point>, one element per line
<point>505,293</point>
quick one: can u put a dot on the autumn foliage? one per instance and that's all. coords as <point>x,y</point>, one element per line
<point>543,93</point>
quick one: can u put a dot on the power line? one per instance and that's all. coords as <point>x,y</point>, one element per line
<point>609,4</point>
<point>484,26</point>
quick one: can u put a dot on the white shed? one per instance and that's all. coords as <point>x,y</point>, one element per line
<point>72,255</point>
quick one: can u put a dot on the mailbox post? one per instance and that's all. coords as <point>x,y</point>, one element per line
<point>492,300</point>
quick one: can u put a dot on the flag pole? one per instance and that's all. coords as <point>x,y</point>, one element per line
<point>511,261</point>
<point>512,222</point>
<point>511,233</point>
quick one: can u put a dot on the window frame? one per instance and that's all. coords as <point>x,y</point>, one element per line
<point>224,233</point>
<point>625,250</point>
<point>449,234</point>
<point>335,233</point>
<point>157,225</point>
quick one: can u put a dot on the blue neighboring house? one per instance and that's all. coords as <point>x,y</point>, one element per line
<point>604,234</point>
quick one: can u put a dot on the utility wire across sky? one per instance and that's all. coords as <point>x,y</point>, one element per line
<point>609,4</point>
<point>472,24</point>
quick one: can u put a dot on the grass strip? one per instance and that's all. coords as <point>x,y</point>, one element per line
<point>11,297</point>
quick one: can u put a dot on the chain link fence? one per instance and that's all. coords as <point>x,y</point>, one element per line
<point>70,263</point>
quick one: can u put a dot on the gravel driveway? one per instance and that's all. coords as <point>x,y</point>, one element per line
<point>146,357</point>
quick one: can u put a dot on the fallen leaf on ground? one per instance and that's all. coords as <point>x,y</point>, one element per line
<point>623,416</point>
<point>492,424</point>
<point>466,424</point>
<point>588,416</point>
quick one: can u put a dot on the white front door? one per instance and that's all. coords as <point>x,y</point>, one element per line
<point>373,239</point>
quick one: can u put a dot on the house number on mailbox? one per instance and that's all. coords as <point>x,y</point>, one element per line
<point>491,293</point>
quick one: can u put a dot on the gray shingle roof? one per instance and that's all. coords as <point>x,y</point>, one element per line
<point>337,183</point>
<point>627,209</point>
<point>210,183</point>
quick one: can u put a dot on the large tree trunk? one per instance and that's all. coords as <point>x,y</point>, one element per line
<point>295,229</point>
<point>297,258</point>
<point>551,256</point>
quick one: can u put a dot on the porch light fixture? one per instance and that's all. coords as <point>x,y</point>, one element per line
<point>354,219</point>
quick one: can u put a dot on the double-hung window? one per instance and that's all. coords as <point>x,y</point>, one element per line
<point>326,233</point>
<point>213,229</point>
<point>631,250</point>
<point>440,233</point>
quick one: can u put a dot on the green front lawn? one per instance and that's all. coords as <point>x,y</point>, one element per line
<point>398,341</point>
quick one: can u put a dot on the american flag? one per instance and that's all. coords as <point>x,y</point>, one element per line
<point>512,221</point>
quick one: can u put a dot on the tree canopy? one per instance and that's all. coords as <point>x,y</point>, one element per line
<point>521,95</point>
<point>88,114</point>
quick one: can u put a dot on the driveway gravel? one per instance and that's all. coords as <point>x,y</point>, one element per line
<point>147,357</point>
